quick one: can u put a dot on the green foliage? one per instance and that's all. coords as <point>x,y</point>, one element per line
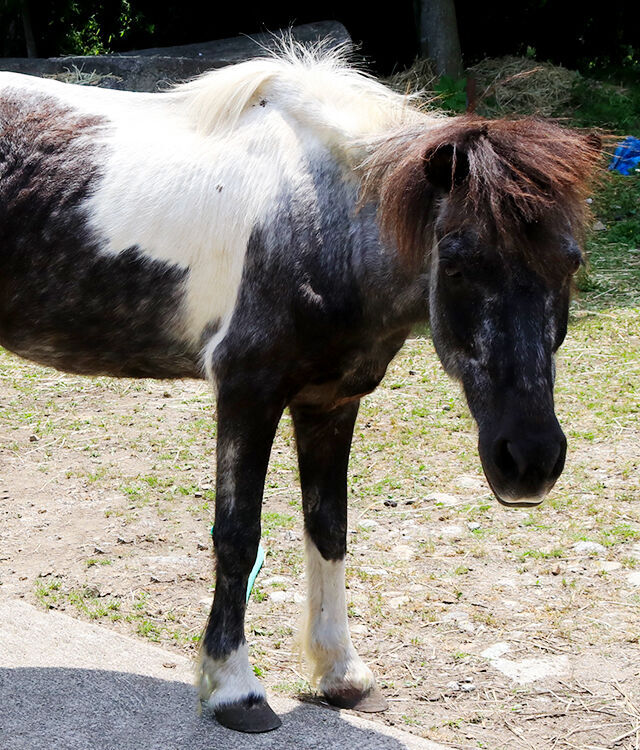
<point>612,275</point>
<point>604,105</point>
<point>452,94</point>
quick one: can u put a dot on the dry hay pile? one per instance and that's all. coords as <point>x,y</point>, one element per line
<point>504,85</point>
<point>519,85</point>
<point>420,77</point>
<point>82,77</point>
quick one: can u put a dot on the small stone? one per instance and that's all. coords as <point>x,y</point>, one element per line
<point>33,438</point>
<point>443,498</point>
<point>162,578</point>
<point>473,525</point>
<point>358,629</point>
<point>367,524</point>
<point>169,665</point>
<point>202,546</point>
<point>609,565</point>
<point>398,601</point>
<point>403,552</point>
<point>599,226</point>
<point>452,530</point>
<point>457,615</point>
<point>286,596</point>
<point>98,550</point>
<point>498,649</point>
<point>391,503</point>
<point>470,483</point>
<point>634,578</point>
<point>588,548</point>
<point>375,571</point>
<point>530,670</point>
<point>463,686</point>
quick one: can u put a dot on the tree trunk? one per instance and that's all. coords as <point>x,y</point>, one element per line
<point>438,31</point>
<point>28,30</point>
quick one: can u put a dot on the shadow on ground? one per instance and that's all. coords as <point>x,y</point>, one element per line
<point>83,709</point>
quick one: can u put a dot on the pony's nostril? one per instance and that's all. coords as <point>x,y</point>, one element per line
<point>528,461</point>
<point>504,458</point>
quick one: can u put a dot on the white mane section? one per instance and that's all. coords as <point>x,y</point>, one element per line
<point>315,86</point>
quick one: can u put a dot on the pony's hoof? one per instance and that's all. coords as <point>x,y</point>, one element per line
<point>248,717</point>
<point>370,701</point>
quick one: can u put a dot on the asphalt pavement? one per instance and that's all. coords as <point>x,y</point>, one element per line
<point>70,685</point>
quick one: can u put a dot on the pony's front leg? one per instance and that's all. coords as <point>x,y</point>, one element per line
<point>246,426</point>
<point>324,441</point>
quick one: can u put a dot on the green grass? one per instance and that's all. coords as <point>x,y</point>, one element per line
<point>612,275</point>
<point>601,104</point>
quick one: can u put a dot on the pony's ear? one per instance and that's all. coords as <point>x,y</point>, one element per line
<point>446,166</point>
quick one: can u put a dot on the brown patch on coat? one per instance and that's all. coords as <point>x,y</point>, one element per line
<point>508,179</point>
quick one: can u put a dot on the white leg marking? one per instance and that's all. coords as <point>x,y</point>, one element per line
<point>225,681</point>
<point>325,639</point>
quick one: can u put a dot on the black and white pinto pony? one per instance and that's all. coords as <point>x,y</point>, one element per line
<point>278,227</point>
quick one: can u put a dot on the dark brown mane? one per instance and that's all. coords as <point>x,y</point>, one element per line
<point>516,173</point>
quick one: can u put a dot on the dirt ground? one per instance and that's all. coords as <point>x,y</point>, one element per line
<point>486,628</point>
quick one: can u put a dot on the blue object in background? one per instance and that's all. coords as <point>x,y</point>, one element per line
<point>254,571</point>
<point>626,157</point>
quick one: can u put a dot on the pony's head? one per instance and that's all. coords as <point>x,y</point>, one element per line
<point>494,212</point>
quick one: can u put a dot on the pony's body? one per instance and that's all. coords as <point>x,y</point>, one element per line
<point>229,228</point>
<point>127,164</point>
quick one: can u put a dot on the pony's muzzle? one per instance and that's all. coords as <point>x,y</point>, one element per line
<point>523,468</point>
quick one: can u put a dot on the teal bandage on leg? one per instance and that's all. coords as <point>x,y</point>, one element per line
<point>255,570</point>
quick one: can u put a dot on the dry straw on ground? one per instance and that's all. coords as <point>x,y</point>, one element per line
<point>505,85</point>
<point>520,85</point>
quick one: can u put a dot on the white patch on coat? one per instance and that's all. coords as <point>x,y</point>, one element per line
<point>194,200</point>
<point>222,682</point>
<point>326,640</point>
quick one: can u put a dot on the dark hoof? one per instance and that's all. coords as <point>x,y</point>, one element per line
<point>371,702</point>
<point>248,717</point>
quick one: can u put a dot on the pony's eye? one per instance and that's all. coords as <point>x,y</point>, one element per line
<point>452,271</point>
<point>575,264</point>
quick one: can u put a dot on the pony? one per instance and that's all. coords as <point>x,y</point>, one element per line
<point>278,227</point>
